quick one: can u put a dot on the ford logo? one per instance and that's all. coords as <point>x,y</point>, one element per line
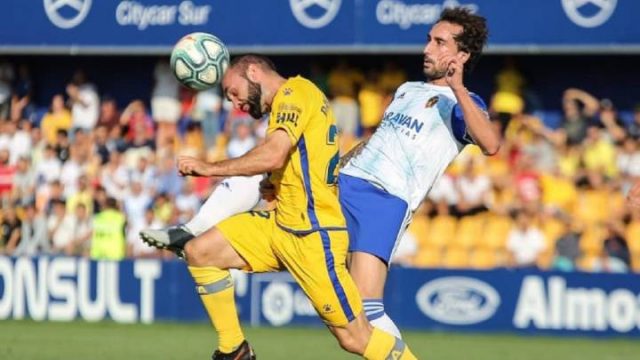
<point>458,300</point>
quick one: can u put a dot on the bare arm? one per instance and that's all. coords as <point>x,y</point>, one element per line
<point>477,121</point>
<point>478,124</point>
<point>590,102</point>
<point>271,155</point>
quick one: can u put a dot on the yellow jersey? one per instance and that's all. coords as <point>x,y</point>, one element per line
<point>306,192</point>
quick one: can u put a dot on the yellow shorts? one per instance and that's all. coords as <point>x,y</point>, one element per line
<point>317,261</point>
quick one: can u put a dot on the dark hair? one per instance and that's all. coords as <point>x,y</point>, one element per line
<point>243,62</point>
<point>473,36</point>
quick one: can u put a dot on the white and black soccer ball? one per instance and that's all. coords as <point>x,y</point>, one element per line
<point>199,60</point>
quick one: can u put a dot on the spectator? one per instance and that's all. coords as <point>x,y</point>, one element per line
<point>20,139</point>
<point>406,251</point>
<point>634,127</point>
<point>579,109</point>
<point>6,77</point>
<point>115,176</point>
<point>507,100</point>
<point>242,139</point>
<point>108,240</point>
<point>49,168</point>
<point>109,115</point>
<point>599,153</point>
<point>84,102</point>
<point>33,233</point>
<point>57,118</point>
<point>608,119</point>
<point>207,111</point>
<point>371,99</point>
<point>526,242</point>
<point>62,145</point>
<point>473,190</point>
<point>567,246</point>
<point>136,201</point>
<point>21,105</point>
<point>61,227</point>
<point>81,196</point>
<point>83,231</point>
<point>7,172</point>
<point>343,84</point>
<point>24,183</point>
<point>135,247</point>
<point>165,104</point>
<point>616,257</point>
<point>10,231</point>
<point>187,202</point>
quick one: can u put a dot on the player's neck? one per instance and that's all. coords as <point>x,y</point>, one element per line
<point>439,82</point>
<point>272,85</point>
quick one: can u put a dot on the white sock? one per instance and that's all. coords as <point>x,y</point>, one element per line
<point>374,309</point>
<point>232,196</point>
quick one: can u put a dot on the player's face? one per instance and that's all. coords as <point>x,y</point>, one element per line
<point>246,95</point>
<point>440,42</point>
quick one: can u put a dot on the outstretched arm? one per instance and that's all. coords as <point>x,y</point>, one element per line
<point>270,155</point>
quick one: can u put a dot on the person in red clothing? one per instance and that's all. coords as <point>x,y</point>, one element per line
<point>6,176</point>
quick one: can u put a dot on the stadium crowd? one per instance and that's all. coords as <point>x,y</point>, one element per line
<point>552,198</point>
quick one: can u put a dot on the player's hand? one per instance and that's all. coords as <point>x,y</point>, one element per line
<point>455,69</point>
<point>633,197</point>
<point>190,166</point>
<point>267,190</point>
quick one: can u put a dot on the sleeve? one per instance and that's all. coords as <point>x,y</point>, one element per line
<point>290,113</point>
<point>458,125</point>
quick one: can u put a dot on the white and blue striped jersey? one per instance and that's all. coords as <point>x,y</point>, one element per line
<point>421,132</point>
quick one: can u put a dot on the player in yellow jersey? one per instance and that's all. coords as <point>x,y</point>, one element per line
<point>306,233</point>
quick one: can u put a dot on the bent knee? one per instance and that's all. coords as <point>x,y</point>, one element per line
<point>202,250</point>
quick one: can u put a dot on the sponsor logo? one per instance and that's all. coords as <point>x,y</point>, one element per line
<point>287,117</point>
<point>306,12</point>
<point>431,102</point>
<point>281,302</point>
<point>67,14</point>
<point>187,13</point>
<point>576,11</point>
<point>458,300</point>
<point>403,120</point>
<point>64,289</point>
<point>396,12</point>
<point>554,305</point>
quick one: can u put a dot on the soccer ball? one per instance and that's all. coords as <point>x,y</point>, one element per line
<point>199,60</point>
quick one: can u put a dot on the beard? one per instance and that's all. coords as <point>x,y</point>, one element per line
<point>254,100</point>
<point>434,73</point>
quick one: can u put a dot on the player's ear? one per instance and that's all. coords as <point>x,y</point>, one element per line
<point>463,56</point>
<point>252,71</point>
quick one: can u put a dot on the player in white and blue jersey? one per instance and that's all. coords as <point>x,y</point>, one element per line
<point>423,129</point>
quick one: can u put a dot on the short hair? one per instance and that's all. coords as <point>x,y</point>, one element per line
<point>474,33</point>
<point>242,62</point>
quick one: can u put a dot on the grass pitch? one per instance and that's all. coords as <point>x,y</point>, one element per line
<point>27,340</point>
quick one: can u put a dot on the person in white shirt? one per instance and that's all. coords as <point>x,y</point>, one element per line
<point>525,242</point>
<point>84,102</point>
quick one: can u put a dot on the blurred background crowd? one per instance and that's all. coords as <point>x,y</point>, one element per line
<point>552,198</point>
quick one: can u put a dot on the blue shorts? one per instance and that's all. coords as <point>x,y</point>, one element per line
<point>376,219</point>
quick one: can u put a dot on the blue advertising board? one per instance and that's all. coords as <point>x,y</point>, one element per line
<point>299,26</point>
<point>65,289</point>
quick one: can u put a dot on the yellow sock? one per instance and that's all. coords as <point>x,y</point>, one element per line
<point>215,287</point>
<point>384,346</point>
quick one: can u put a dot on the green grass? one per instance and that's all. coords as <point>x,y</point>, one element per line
<point>27,340</point>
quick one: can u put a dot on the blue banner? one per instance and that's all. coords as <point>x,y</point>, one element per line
<point>65,289</point>
<point>153,26</point>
